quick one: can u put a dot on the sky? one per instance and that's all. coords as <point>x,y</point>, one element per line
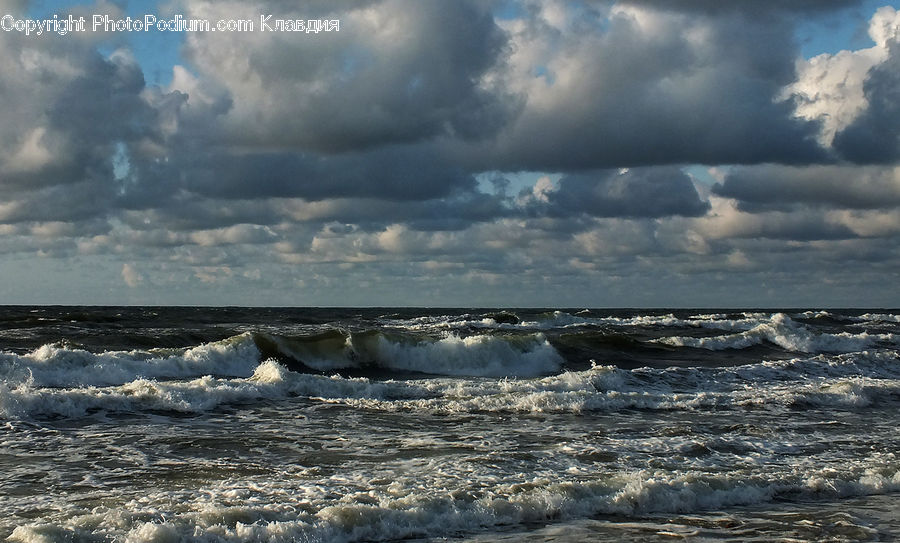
<point>474,153</point>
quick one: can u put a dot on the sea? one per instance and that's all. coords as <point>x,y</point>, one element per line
<point>169,424</point>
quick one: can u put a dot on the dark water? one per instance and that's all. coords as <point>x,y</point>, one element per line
<point>240,424</point>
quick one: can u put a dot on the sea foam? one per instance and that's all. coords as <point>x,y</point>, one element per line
<point>409,509</point>
<point>841,381</point>
<point>786,333</point>
<point>58,366</point>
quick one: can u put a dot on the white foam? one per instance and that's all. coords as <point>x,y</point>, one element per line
<point>707,320</point>
<point>56,366</point>
<point>787,334</point>
<point>269,381</point>
<point>563,320</point>
<point>480,355</point>
<point>476,487</point>
<point>816,314</point>
<point>406,506</point>
<point>840,381</point>
<point>880,317</point>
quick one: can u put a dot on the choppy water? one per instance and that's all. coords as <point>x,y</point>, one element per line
<point>202,424</point>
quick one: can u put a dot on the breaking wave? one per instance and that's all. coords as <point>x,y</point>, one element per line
<point>59,366</point>
<point>480,355</point>
<point>388,424</point>
<point>475,355</point>
<point>786,333</point>
<point>513,367</point>
<point>860,379</point>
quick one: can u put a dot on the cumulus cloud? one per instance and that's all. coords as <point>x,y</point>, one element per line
<point>637,192</point>
<point>131,276</point>
<point>836,89</point>
<point>69,115</point>
<point>430,146</point>
<point>780,187</point>
<point>398,71</point>
<point>874,136</point>
<point>636,85</point>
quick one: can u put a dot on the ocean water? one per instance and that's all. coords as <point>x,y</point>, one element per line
<point>242,424</point>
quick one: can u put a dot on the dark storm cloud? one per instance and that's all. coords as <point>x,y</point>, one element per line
<point>407,71</point>
<point>874,137</point>
<point>392,173</point>
<point>654,87</point>
<point>267,113</point>
<point>104,105</point>
<point>780,187</point>
<point>67,111</point>
<point>642,192</point>
<point>686,88</point>
<point>363,147</point>
<point>70,202</point>
<point>404,174</point>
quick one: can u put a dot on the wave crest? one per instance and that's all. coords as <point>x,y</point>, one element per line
<point>786,333</point>
<point>473,356</point>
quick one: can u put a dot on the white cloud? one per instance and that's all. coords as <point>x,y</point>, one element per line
<point>829,87</point>
<point>131,275</point>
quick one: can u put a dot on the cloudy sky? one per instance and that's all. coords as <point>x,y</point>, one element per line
<point>690,153</point>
